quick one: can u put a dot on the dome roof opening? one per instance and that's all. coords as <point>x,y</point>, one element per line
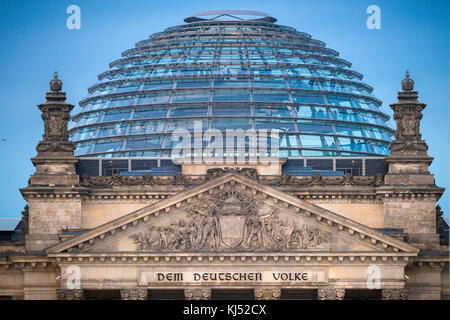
<point>246,73</point>
<point>230,15</point>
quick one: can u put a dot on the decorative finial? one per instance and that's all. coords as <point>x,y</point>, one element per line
<point>56,84</point>
<point>407,83</point>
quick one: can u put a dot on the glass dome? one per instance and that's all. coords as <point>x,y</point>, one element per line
<point>227,73</point>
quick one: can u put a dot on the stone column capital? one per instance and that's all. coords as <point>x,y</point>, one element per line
<point>133,294</point>
<point>70,294</point>
<point>267,293</point>
<point>394,294</point>
<point>197,294</point>
<point>330,294</point>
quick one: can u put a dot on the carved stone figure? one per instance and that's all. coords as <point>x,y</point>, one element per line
<point>379,180</point>
<point>209,231</point>
<point>253,232</point>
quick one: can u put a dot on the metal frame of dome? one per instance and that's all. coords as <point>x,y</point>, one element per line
<point>230,13</point>
<point>280,70</point>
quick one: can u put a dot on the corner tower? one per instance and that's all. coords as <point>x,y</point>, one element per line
<point>53,191</point>
<point>410,192</point>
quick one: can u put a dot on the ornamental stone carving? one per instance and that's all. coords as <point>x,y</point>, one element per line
<point>197,294</point>
<point>70,294</point>
<point>56,115</point>
<point>55,83</point>
<point>267,293</point>
<point>407,83</point>
<point>408,114</point>
<point>133,294</point>
<point>231,221</point>
<point>330,294</point>
<point>25,222</point>
<point>394,294</point>
<point>182,180</point>
<point>316,180</point>
<point>217,172</point>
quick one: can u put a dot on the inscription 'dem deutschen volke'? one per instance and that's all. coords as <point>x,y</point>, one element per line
<point>232,276</point>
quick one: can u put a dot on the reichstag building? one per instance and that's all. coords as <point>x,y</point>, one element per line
<point>291,183</point>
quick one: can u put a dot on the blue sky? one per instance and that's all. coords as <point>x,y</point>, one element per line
<point>34,42</point>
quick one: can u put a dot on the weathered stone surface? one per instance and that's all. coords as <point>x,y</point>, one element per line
<point>133,294</point>
<point>394,294</point>
<point>330,294</point>
<point>267,293</point>
<point>197,294</point>
<point>70,294</point>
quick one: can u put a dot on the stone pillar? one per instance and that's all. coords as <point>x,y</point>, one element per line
<point>330,294</point>
<point>409,192</point>
<point>54,177</point>
<point>197,294</point>
<point>267,293</point>
<point>133,294</point>
<point>70,294</point>
<point>394,294</point>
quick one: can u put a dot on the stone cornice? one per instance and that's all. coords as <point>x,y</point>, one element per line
<point>315,180</point>
<point>208,258</point>
<point>60,192</point>
<point>22,262</point>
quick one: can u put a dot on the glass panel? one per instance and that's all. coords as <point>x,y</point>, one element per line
<point>107,145</point>
<point>193,84</point>
<point>274,111</point>
<point>310,141</point>
<point>231,95</point>
<point>308,98</point>
<point>230,123</point>
<point>288,141</point>
<point>116,115</point>
<point>270,95</point>
<point>231,111</point>
<point>315,127</point>
<point>222,83</point>
<point>191,96</point>
<point>141,127</point>
<point>351,144</point>
<point>187,125</point>
<point>157,85</point>
<point>150,98</point>
<point>150,112</point>
<point>283,125</point>
<point>188,111</point>
<point>83,148</point>
<point>114,130</point>
<point>121,102</point>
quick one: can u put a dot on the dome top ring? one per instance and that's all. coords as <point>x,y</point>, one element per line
<point>243,15</point>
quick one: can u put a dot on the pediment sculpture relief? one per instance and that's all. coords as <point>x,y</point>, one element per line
<point>232,221</point>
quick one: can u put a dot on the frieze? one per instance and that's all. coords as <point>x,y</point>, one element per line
<point>231,222</point>
<point>315,180</point>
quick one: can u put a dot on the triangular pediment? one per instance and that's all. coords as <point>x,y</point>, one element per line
<point>232,214</point>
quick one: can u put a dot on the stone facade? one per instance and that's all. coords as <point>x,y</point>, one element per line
<point>228,228</point>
